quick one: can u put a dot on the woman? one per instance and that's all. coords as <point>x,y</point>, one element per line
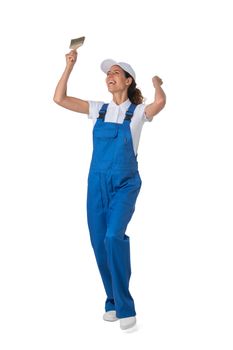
<point>113,180</point>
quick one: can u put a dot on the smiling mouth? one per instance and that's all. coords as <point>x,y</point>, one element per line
<point>111,82</point>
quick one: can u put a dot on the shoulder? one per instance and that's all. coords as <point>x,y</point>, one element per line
<point>94,107</point>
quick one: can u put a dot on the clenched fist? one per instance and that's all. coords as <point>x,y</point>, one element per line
<point>71,57</point>
<point>157,81</point>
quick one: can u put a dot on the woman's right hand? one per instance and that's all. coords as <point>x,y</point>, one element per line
<point>71,58</point>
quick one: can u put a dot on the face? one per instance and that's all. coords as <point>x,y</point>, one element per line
<point>116,80</point>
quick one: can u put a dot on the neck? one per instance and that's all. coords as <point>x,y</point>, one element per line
<point>120,97</point>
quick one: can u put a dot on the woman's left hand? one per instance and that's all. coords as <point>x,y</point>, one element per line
<point>157,81</point>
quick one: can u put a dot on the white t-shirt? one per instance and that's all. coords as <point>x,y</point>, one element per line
<point>116,114</point>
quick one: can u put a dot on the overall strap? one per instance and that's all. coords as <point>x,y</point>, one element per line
<point>130,111</point>
<point>103,111</point>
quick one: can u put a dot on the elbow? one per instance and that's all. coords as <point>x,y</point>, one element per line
<point>57,100</point>
<point>155,107</point>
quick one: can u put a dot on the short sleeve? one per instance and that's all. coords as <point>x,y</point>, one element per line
<point>141,111</point>
<point>94,107</point>
<point>147,119</point>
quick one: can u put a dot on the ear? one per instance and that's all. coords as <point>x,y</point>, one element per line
<point>129,81</point>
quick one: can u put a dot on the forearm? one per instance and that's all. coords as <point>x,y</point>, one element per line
<point>160,96</point>
<point>159,101</point>
<point>61,89</point>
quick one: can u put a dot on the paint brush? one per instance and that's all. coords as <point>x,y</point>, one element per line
<point>76,43</point>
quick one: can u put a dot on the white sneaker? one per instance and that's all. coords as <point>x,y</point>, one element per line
<point>110,316</point>
<point>127,322</point>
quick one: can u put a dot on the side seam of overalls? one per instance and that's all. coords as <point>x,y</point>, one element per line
<point>113,186</point>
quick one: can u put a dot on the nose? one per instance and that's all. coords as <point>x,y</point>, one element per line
<point>110,74</point>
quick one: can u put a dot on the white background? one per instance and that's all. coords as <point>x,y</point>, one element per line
<point>51,296</point>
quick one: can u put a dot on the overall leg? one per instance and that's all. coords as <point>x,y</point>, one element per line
<point>117,244</point>
<point>97,224</point>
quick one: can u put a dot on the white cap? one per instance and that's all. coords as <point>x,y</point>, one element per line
<point>107,64</point>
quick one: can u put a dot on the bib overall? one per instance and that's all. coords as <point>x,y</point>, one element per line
<point>113,186</point>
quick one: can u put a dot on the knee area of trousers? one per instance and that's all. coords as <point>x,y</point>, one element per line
<point>113,239</point>
<point>110,240</point>
<point>113,234</point>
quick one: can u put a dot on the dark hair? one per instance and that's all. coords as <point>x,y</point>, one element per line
<point>134,94</point>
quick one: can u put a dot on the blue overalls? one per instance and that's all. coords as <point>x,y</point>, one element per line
<point>113,186</point>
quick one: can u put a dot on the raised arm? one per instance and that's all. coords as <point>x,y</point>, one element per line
<point>160,99</point>
<point>60,97</point>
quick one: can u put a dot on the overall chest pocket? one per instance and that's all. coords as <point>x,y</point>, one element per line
<point>105,133</point>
